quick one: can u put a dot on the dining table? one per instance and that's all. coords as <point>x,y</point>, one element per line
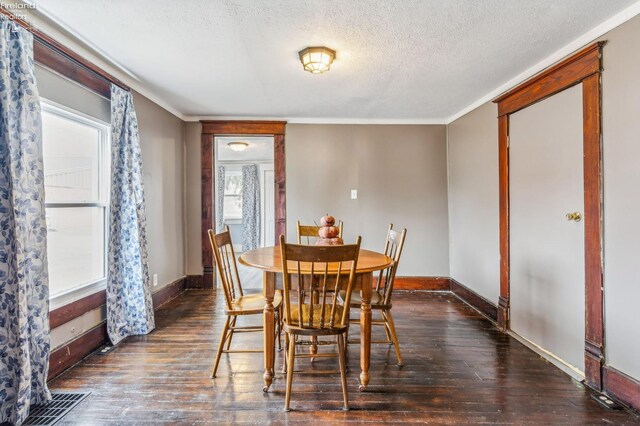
<point>268,259</point>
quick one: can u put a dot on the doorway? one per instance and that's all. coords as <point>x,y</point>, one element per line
<point>582,69</point>
<point>244,182</point>
<point>547,246</point>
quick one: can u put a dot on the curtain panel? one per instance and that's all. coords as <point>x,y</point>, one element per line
<point>250,207</point>
<point>220,180</point>
<point>24,288</point>
<point>129,304</point>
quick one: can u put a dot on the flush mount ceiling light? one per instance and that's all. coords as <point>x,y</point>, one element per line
<point>317,60</point>
<point>238,146</point>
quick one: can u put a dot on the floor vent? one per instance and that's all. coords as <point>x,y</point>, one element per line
<point>103,350</point>
<point>607,402</point>
<point>50,413</point>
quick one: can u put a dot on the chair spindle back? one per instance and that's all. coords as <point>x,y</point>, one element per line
<point>392,248</point>
<point>308,234</point>
<point>319,270</point>
<point>226,263</point>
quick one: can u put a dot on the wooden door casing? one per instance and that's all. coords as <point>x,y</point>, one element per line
<point>583,67</point>
<point>211,129</point>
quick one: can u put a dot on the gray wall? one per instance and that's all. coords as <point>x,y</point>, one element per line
<point>400,175</point>
<point>162,144</point>
<point>621,135</point>
<point>473,201</point>
<point>399,171</point>
<point>621,130</point>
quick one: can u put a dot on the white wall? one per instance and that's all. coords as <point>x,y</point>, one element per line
<point>472,142</point>
<point>621,151</point>
<point>400,175</point>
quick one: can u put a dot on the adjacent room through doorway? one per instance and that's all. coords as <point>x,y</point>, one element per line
<point>244,200</point>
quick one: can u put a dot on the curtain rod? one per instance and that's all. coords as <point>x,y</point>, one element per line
<point>64,51</point>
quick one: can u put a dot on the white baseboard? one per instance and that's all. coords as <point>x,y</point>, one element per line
<point>572,371</point>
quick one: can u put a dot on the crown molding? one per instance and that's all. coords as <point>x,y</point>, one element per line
<point>309,120</point>
<point>603,28</point>
<point>54,27</point>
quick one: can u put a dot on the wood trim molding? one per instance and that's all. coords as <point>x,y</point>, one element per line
<point>503,188</point>
<point>422,283</point>
<point>557,78</point>
<point>73,352</point>
<point>242,127</point>
<point>73,310</point>
<point>54,60</point>
<point>168,292</point>
<point>473,299</point>
<point>621,387</point>
<point>52,54</point>
<point>583,67</point>
<point>195,282</point>
<point>211,129</point>
<point>207,210</point>
<point>280,179</point>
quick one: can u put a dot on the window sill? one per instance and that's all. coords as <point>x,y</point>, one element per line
<point>233,221</point>
<point>75,294</point>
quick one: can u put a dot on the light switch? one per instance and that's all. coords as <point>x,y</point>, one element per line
<point>354,194</point>
<point>155,280</point>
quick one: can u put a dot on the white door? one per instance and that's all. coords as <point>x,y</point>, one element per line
<point>547,250</point>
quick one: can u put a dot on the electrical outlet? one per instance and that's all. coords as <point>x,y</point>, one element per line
<point>354,194</point>
<point>155,280</point>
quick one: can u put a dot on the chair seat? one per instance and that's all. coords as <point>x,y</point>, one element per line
<point>253,303</point>
<point>377,299</point>
<point>295,315</point>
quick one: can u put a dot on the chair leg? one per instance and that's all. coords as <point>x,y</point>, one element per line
<point>394,336</point>
<point>343,371</point>
<point>286,353</point>
<point>231,325</point>
<point>223,338</point>
<point>313,348</point>
<point>290,363</point>
<point>386,329</point>
<point>279,327</point>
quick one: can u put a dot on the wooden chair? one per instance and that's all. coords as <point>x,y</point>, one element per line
<point>307,234</point>
<point>236,302</point>
<point>381,298</point>
<point>325,267</point>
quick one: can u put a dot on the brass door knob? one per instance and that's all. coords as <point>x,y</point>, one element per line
<point>575,216</point>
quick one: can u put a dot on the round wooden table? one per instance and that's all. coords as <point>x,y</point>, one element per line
<point>268,260</point>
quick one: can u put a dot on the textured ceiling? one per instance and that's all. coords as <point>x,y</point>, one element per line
<point>408,60</point>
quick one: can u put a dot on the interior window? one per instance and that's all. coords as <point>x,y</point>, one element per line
<point>76,167</point>
<point>232,208</point>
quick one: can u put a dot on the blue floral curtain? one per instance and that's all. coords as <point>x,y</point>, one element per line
<point>250,207</point>
<point>220,199</point>
<point>129,305</point>
<point>24,287</point>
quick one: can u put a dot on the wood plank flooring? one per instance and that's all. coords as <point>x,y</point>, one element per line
<point>459,369</point>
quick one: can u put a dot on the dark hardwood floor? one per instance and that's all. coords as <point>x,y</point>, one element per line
<point>459,369</point>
